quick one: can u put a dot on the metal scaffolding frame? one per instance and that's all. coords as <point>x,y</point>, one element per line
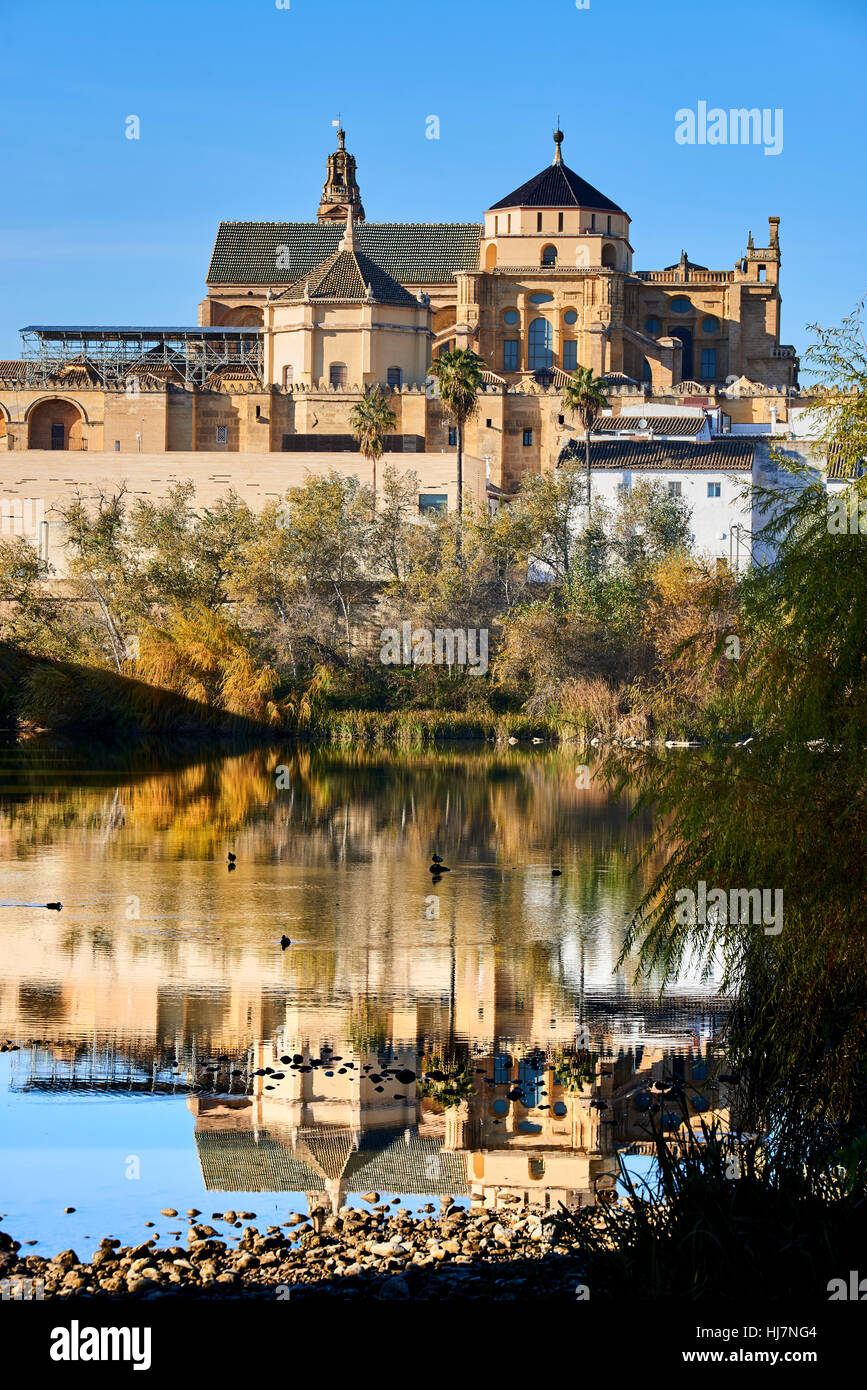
<point>119,355</point>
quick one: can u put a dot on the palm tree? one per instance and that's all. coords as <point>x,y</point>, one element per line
<point>459,375</point>
<point>370,419</point>
<point>584,396</point>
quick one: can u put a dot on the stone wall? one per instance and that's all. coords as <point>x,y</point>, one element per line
<point>37,484</point>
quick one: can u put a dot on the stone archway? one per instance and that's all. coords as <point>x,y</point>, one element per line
<point>56,424</point>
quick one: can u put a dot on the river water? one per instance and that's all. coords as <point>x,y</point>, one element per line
<point>165,1050</point>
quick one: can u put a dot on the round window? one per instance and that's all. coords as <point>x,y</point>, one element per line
<point>511,316</point>
<point>541,298</point>
<point>710,324</point>
<point>651,326</point>
<point>570,316</point>
<point>681,305</point>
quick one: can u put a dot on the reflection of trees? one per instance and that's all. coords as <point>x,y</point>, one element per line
<point>447,1081</point>
<point>575,1068</point>
<point>496,806</point>
<point>368,1027</point>
<point>502,817</point>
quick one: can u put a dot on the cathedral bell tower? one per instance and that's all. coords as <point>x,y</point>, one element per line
<point>340,193</point>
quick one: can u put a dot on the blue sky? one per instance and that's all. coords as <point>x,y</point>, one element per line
<point>236,100</point>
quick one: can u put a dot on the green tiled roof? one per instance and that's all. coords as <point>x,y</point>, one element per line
<point>413,253</point>
<point>407,1164</point>
<point>393,1161</point>
<point>346,276</point>
<point>235,1162</point>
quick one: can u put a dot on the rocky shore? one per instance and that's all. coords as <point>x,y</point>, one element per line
<point>378,1252</point>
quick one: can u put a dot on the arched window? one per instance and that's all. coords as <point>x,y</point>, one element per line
<point>609,257</point>
<point>541,345</point>
<point>337,374</point>
<point>549,255</point>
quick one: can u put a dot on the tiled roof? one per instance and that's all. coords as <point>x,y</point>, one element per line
<point>13,371</point>
<point>395,1161</point>
<point>557,187</point>
<point>239,1161</point>
<point>724,455</point>
<point>686,425</point>
<point>76,376</point>
<point>405,1162</point>
<point>413,253</point>
<point>347,275</point>
<point>841,468</point>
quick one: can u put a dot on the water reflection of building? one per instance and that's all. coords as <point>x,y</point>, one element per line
<point>506,952</point>
<point>533,1126</point>
<point>327,1162</point>
<point>328,1129</point>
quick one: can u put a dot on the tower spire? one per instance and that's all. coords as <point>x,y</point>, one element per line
<point>340,191</point>
<point>558,141</point>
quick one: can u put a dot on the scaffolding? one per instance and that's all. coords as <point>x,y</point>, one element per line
<point>110,1065</point>
<point>121,357</point>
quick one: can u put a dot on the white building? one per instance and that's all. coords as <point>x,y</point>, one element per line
<point>692,452</point>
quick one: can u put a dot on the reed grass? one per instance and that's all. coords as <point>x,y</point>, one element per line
<point>722,1219</point>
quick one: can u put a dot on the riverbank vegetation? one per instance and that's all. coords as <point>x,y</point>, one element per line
<point>550,629</point>
<point>786,811</point>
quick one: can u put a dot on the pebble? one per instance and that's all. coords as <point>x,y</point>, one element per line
<point>381,1253</point>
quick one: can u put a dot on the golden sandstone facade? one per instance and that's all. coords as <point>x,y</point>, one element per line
<point>300,318</point>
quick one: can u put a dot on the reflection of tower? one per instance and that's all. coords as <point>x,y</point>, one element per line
<point>458,1126</point>
<point>328,1202</point>
<point>589,1132</point>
